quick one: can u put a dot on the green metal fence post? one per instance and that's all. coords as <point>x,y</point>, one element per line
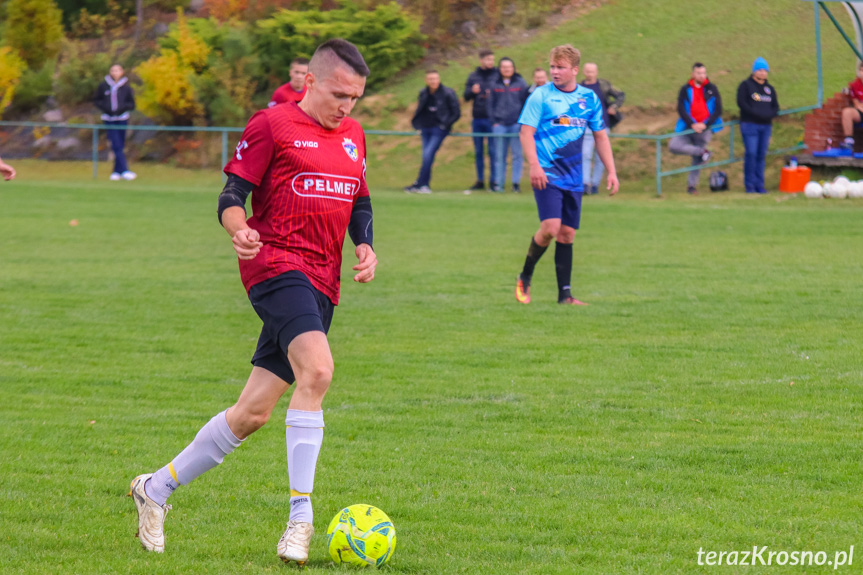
<point>731,143</point>
<point>818,54</point>
<point>95,152</point>
<point>224,153</point>
<point>658,167</point>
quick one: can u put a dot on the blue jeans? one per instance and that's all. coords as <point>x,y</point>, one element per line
<point>432,138</point>
<point>502,147</point>
<point>117,138</point>
<point>756,139</point>
<point>483,125</point>
<point>591,174</point>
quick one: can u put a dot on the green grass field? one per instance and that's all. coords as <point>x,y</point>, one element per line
<point>709,397</point>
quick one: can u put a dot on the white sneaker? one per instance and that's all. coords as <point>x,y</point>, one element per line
<point>151,516</point>
<point>294,544</point>
<point>424,190</point>
<point>115,177</point>
<point>129,176</point>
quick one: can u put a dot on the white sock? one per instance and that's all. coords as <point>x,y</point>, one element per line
<point>214,441</point>
<point>304,434</point>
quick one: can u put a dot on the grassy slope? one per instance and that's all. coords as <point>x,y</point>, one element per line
<point>617,438</point>
<point>647,48</point>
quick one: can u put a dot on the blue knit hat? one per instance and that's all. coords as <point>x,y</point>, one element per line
<point>760,64</point>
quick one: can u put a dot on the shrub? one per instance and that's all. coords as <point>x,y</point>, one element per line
<point>167,93</point>
<point>217,65</point>
<point>11,69</point>
<point>35,87</point>
<point>387,36</point>
<point>33,28</point>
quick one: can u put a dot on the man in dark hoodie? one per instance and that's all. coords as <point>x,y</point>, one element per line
<point>477,88</point>
<point>506,99</point>
<point>758,106</point>
<point>114,97</point>
<point>700,108</point>
<point>437,110</point>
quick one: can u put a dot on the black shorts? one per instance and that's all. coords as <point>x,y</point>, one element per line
<point>289,305</point>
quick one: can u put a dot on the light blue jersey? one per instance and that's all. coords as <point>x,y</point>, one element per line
<point>560,119</point>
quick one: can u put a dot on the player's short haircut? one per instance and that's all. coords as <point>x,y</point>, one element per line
<point>506,59</point>
<point>300,62</point>
<point>698,65</point>
<point>566,53</point>
<point>485,52</point>
<point>432,71</point>
<point>535,70</point>
<point>330,53</point>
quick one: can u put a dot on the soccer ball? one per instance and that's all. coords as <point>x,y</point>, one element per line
<point>812,190</point>
<point>855,189</point>
<point>827,189</point>
<point>839,190</point>
<point>842,180</point>
<point>361,535</point>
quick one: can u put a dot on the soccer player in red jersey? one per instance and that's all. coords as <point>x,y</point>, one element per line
<point>294,90</point>
<point>304,165</point>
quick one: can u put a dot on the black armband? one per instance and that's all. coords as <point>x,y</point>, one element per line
<point>234,193</point>
<point>360,226</point>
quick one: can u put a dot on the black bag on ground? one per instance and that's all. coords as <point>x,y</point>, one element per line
<point>718,181</point>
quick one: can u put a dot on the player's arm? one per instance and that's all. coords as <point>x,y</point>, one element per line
<point>538,179</point>
<point>232,216</point>
<point>7,171</point>
<point>361,230</point>
<point>603,148</point>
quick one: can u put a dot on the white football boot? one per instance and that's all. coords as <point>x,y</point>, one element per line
<point>151,516</point>
<point>294,544</point>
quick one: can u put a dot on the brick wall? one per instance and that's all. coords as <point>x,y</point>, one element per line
<point>827,123</point>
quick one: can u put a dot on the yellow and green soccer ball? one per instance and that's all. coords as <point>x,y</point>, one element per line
<point>361,535</point>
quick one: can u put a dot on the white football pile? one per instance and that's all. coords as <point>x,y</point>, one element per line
<point>840,188</point>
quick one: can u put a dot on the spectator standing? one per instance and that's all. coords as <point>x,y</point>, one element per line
<point>115,98</point>
<point>611,100</point>
<point>854,113</point>
<point>294,90</point>
<point>700,109</point>
<point>477,88</point>
<point>540,78</point>
<point>7,171</point>
<point>758,106</point>
<point>506,99</point>
<point>437,110</point>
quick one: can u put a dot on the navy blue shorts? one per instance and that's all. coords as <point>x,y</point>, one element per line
<point>289,305</point>
<point>565,205</point>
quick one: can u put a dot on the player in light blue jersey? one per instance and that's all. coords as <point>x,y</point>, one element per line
<point>553,124</point>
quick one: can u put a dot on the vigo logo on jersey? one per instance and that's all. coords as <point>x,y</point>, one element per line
<point>327,186</point>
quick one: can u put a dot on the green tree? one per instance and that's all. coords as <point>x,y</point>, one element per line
<point>387,36</point>
<point>34,30</point>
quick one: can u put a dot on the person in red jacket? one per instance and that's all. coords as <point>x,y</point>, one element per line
<point>854,113</point>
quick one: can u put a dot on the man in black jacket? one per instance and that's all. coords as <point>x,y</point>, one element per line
<point>506,99</point>
<point>477,88</point>
<point>437,110</point>
<point>115,99</point>
<point>758,106</point>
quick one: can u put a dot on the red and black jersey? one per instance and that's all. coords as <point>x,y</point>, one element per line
<point>307,179</point>
<point>286,93</point>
